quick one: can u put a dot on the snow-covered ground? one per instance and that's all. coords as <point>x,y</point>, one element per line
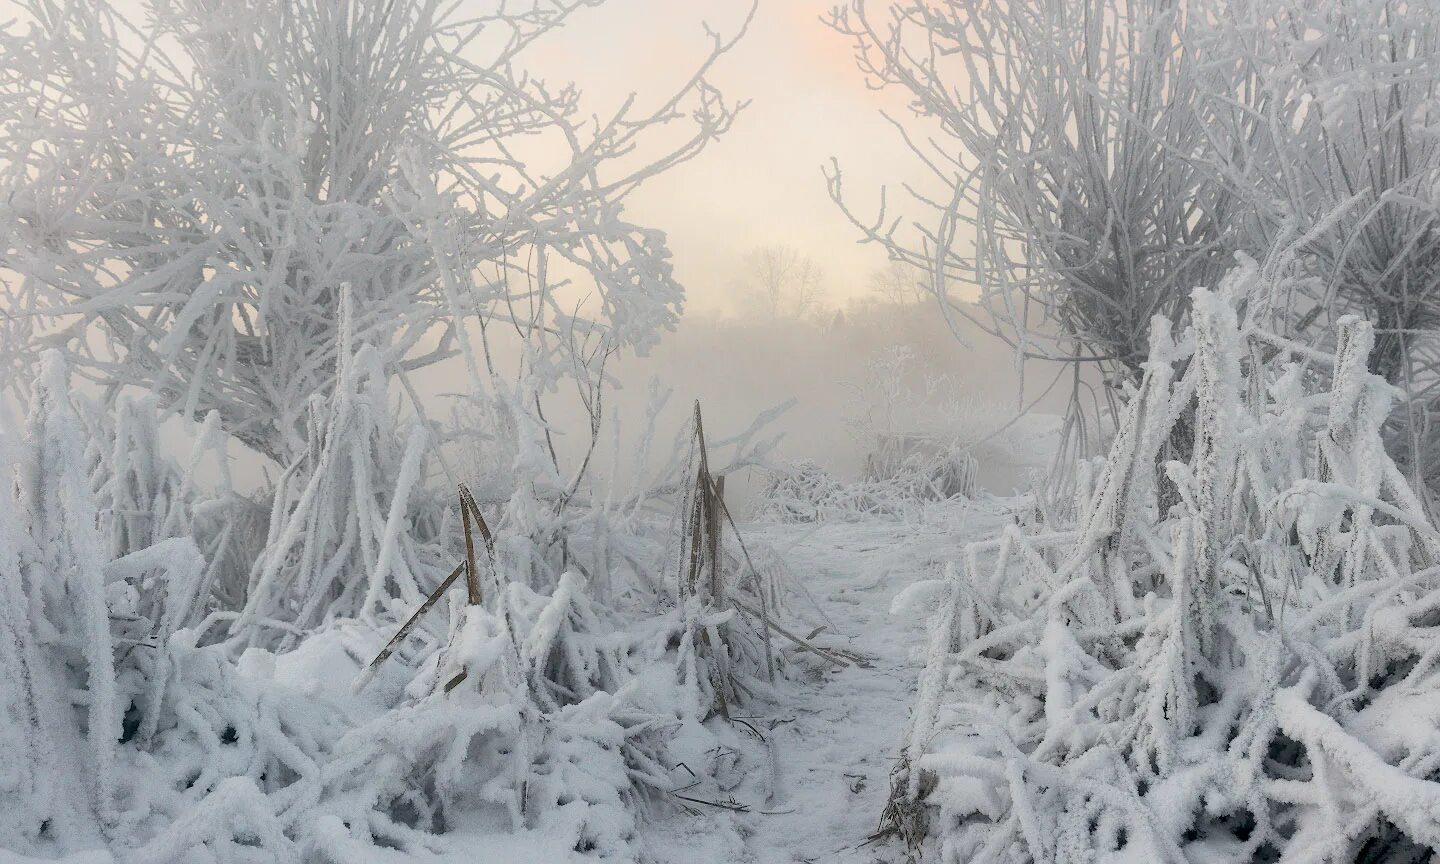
<point>835,732</point>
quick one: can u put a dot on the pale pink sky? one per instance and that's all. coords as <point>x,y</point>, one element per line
<point>762,184</point>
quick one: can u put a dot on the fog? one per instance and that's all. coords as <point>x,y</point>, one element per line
<point>872,369</point>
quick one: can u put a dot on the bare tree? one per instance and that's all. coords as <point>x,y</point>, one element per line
<point>785,283</point>
<point>900,283</point>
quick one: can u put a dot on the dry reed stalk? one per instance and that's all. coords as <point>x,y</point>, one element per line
<point>405,628</point>
<point>471,520</point>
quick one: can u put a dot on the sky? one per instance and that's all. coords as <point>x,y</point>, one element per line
<point>761,184</point>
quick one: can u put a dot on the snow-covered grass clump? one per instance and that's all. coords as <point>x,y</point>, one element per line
<point>1229,655</point>
<point>902,479</point>
<point>165,700</point>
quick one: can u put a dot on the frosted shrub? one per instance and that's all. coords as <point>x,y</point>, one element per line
<point>800,491</point>
<point>803,491</point>
<point>922,468</point>
<point>1235,677</point>
<point>341,511</point>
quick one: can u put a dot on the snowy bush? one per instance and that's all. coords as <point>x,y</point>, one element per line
<point>1239,676</point>
<point>923,468</point>
<point>802,491</point>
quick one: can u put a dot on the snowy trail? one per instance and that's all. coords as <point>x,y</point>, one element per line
<point>836,732</point>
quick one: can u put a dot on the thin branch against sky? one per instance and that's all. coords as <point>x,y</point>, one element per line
<point>763,182</point>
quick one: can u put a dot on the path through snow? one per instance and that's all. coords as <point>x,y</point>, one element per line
<point>836,732</point>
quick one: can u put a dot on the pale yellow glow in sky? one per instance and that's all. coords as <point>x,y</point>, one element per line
<point>762,184</point>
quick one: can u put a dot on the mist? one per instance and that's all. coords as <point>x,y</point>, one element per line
<point>852,376</point>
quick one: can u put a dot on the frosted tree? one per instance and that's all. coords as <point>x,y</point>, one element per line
<point>190,189</point>
<point>194,201</point>
<point>1089,164</point>
<point>1058,139</point>
<point>899,283</point>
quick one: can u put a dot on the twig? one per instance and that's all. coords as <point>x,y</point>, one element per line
<point>472,579</point>
<point>735,806</point>
<point>788,635</point>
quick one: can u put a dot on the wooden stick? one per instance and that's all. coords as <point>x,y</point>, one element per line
<point>468,501</point>
<point>755,579</point>
<point>715,491</point>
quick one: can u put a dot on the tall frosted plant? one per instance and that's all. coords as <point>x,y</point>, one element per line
<point>73,618</point>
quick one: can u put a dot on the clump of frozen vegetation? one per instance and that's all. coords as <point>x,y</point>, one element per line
<point>151,713</point>
<point>1212,644</point>
<point>128,727</point>
<point>1222,658</point>
<point>899,482</point>
<point>923,445</point>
